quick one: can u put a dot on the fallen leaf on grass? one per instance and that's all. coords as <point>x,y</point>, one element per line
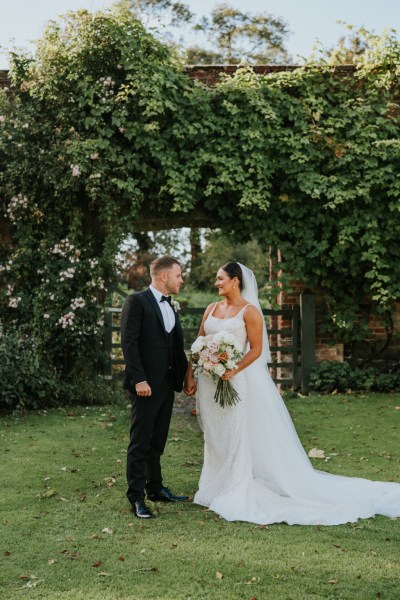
<point>252,581</point>
<point>218,575</point>
<point>147,570</point>
<point>104,574</point>
<point>6,553</point>
<point>176,439</point>
<point>190,463</point>
<point>122,557</point>
<point>107,530</point>
<point>315,453</point>
<point>333,581</point>
<point>51,561</point>
<point>48,494</point>
<point>32,583</point>
<point>110,481</point>
<point>32,580</point>
<point>397,407</point>
<point>96,564</point>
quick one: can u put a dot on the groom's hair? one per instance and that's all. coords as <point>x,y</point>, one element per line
<point>162,264</point>
<point>232,269</point>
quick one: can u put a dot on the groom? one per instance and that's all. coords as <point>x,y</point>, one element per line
<point>156,365</point>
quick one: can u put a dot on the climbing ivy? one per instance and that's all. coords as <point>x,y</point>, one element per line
<point>104,126</point>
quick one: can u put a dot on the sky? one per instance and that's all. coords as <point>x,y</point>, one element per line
<point>23,20</point>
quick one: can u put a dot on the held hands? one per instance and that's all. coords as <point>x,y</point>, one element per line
<point>143,389</point>
<point>190,386</point>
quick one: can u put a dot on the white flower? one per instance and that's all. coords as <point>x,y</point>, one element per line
<point>219,369</point>
<point>76,172</point>
<point>66,320</point>
<point>205,355</point>
<point>46,316</point>
<point>208,366</point>
<point>77,303</point>
<point>197,344</point>
<point>13,303</point>
<point>94,156</point>
<point>212,346</point>
<point>2,118</point>
<point>175,305</point>
<point>16,204</point>
<point>67,274</point>
<point>230,364</point>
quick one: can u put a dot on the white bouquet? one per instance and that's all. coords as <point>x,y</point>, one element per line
<point>213,355</point>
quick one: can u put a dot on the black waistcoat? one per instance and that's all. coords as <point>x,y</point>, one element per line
<point>171,349</point>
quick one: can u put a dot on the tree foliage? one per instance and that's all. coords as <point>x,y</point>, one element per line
<point>105,126</point>
<point>229,35</point>
<point>237,36</point>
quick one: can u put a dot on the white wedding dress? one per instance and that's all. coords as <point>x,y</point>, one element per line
<point>255,468</point>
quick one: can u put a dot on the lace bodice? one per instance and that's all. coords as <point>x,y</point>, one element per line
<point>234,325</point>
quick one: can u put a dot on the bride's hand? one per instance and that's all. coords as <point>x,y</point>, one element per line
<point>229,374</point>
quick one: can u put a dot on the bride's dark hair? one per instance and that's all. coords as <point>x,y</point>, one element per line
<point>232,269</point>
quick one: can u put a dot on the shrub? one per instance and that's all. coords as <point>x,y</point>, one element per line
<point>329,376</point>
<point>24,381</point>
<point>28,382</point>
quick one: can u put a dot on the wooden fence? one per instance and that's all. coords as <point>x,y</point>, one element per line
<point>292,341</point>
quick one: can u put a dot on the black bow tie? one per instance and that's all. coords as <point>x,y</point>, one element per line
<point>166,299</point>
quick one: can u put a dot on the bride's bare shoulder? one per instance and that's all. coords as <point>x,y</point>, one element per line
<point>210,308</point>
<point>251,313</point>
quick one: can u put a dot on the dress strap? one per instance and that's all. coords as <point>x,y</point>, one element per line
<point>242,310</point>
<point>212,310</point>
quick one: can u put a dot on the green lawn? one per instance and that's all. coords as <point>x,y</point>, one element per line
<point>67,532</point>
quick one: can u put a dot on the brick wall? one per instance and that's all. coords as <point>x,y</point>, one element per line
<point>210,74</point>
<point>369,351</point>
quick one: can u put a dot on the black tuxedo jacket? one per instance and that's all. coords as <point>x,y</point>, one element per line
<point>145,344</point>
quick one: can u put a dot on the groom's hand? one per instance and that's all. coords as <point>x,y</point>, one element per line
<point>143,389</point>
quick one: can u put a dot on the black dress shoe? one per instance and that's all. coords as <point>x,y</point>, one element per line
<point>165,495</point>
<point>141,511</point>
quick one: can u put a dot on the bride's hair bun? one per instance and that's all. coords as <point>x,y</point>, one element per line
<point>232,269</point>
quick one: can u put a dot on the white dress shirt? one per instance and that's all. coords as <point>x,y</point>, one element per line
<point>166,310</point>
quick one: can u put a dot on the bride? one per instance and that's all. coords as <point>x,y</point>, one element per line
<point>255,468</point>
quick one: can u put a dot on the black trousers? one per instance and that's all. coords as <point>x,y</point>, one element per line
<point>151,417</point>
